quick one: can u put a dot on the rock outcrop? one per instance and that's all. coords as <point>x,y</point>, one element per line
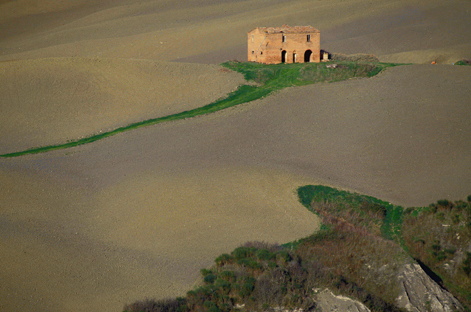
<point>326,301</point>
<point>421,293</point>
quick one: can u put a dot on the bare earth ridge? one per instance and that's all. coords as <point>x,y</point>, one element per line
<point>138,214</point>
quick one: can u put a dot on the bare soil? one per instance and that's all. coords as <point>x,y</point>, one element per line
<point>137,215</point>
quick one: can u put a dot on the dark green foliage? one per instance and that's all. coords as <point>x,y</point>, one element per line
<point>224,259</point>
<point>247,286</point>
<point>467,264</point>
<point>320,193</point>
<point>243,252</point>
<point>165,305</point>
<point>464,62</point>
<point>209,279</point>
<point>437,236</point>
<point>264,254</point>
<point>445,203</point>
<point>228,276</point>
<point>370,212</point>
<point>283,257</point>
<point>431,234</point>
<point>437,251</point>
<point>353,242</point>
<point>249,263</point>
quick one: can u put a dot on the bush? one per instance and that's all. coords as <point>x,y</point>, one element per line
<point>264,254</point>
<point>224,259</point>
<point>243,252</point>
<point>463,62</point>
<point>247,287</point>
<point>150,305</point>
<point>445,203</point>
<point>249,263</point>
<point>348,256</point>
<point>209,279</point>
<point>227,276</point>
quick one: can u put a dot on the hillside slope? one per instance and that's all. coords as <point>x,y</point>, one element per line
<point>365,252</point>
<point>94,227</point>
<point>400,31</point>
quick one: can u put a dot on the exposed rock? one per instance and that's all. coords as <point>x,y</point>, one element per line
<point>420,293</point>
<point>283,309</point>
<point>328,302</point>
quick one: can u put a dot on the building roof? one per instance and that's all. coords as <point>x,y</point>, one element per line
<point>287,29</point>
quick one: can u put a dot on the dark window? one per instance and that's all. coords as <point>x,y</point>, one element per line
<point>283,38</point>
<point>308,38</point>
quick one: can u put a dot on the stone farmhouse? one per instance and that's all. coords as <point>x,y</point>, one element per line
<point>285,44</point>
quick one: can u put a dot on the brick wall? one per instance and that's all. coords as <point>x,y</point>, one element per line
<point>285,44</point>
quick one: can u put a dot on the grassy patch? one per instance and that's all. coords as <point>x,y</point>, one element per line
<point>375,215</point>
<point>270,78</point>
<point>464,62</point>
<point>356,253</point>
<point>438,235</point>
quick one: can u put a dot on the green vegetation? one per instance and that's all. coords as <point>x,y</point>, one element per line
<point>464,62</point>
<point>438,236</point>
<point>376,216</point>
<point>258,277</point>
<point>270,78</point>
<point>362,246</point>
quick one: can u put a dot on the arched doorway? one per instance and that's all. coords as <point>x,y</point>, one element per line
<point>294,57</point>
<point>307,56</point>
<point>283,56</point>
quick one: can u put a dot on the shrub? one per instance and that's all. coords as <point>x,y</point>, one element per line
<point>463,62</point>
<point>249,263</point>
<point>264,254</point>
<point>227,276</point>
<point>445,203</point>
<point>224,259</point>
<point>205,272</point>
<point>243,252</point>
<point>350,259</point>
<point>283,256</point>
<point>151,305</point>
<point>209,279</point>
<point>247,287</point>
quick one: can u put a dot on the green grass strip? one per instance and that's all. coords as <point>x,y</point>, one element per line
<point>243,94</point>
<point>392,215</point>
<point>270,78</point>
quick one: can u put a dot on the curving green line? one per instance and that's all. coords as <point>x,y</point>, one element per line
<point>269,77</point>
<point>243,94</point>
